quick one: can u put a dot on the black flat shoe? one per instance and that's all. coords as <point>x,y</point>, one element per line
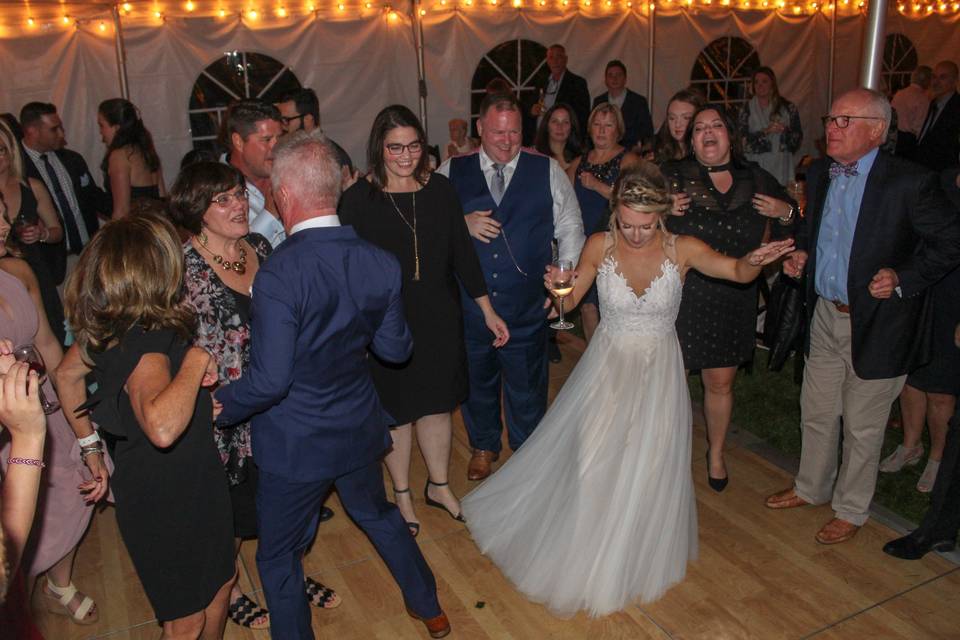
<point>717,484</point>
<point>439,505</point>
<point>914,546</point>
<point>412,527</point>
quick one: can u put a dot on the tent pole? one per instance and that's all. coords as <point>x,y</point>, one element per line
<point>121,53</point>
<point>833,55</point>
<point>651,52</point>
<point>421,78</point>
<point>872,59</point>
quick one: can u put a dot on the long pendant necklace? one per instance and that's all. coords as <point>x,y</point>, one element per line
<point>413,228</point>
<point>237,266</point>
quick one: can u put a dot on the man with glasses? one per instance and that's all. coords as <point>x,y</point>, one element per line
<point>301,110</point>
<point>519,202</point>
<point>877,233</point>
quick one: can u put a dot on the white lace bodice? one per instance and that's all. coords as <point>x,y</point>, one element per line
<point>651,313</point>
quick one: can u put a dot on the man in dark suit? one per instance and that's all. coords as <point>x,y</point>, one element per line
<point>324,297</point>
<point>563,86</point>
<point>74,192</point>
<point>939,143</point>
<point>633,106</point>
<point>878,232</point>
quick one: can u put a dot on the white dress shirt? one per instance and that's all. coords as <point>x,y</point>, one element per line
<point>316,223</point>
<point>66,184</point>
<point>567,222</point>
<point>263,221</point>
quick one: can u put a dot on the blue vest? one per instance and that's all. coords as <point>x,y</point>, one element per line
<point>526,213</point>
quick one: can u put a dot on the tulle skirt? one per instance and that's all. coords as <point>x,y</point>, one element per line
<point>597,508</point>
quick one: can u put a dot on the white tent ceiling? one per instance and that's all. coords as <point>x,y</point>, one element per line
<point>362,57</point>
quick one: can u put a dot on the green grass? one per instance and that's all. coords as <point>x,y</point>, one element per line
<point>767,404</point>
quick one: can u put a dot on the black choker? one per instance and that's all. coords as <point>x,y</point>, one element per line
<point>718,168</point>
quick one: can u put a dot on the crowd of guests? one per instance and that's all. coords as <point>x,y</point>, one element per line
<point>432,299</point>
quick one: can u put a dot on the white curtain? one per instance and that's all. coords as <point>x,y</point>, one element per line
<point>362,64</point>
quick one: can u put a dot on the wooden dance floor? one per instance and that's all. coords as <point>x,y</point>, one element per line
<point>760,575</point>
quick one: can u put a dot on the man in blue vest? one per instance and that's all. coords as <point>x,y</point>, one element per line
<point>518,202</point>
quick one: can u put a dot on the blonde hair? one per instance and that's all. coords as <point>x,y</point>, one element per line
<point>607,107</point>
<point>13,151</point>
<point>130,274</point>
<point>641,188</point>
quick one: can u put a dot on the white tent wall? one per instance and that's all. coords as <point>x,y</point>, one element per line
<point>361,64</point>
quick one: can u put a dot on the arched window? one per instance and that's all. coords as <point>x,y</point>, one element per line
<point>722,71</point>
<point>521,64</point>
<point>899,61</point>
<point>235,76</point>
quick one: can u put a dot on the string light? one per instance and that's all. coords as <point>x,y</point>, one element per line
<point>102,26</point>
<point>65,19</point>
<point>157,15</point>
<point>127,7</point>
<point>223,12</point>
<point>517,3</point>
<point>423,12</point>
<point>340,7</point>
<point>31,22</point>
<point>281,11</point>
<point>393,16</point>
<point>190,6</point>
<point>252,14</point>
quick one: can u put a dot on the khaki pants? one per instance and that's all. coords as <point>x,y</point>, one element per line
<point>831,391</point>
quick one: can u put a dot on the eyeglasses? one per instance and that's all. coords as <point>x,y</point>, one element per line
<point>396,148</point>
<point>288,119</point>
<point>224,199</point>
<point>843,122</point>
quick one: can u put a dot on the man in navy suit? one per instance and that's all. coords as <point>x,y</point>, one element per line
<point>939,140</point>
<point>324,297</point>
<point>633,106</point>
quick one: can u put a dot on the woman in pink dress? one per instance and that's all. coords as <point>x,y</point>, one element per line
<point>63,513</point>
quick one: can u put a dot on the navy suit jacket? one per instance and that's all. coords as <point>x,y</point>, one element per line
<point>636,117</point>
<point>906,224</point>
<point>322,299</point>
<point>940,147</point>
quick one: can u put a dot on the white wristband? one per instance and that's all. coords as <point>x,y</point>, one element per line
<point>86,441</point>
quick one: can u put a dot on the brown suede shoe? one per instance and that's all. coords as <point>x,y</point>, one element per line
<point>786,499</point>
<point>836,531</point>
<point>438,626</point>
<point>480,462</point>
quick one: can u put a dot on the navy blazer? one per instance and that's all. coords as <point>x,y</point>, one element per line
<point>636,117</point>
<point>906,224</point>
<point>940,147</point>
<point>322,299</point>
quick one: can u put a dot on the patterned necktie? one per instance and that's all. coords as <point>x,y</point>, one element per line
<point>498,186</point>
<point>74,242</point>
<point>837,169</point>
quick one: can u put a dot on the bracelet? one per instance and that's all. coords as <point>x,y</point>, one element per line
<point>86,441</point>
<point>30,462</point>
<point>786,219</point>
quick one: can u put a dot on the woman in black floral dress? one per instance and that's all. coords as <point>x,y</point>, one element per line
<point>209,200</point>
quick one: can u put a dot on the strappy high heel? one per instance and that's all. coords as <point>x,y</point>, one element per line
<point>439,505</point>
<point>413,527</point>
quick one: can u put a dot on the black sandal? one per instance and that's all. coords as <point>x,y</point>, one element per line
<point>412,527</point>
<point>320,595</point>
<point>245,612</point>
<point>439,505</point>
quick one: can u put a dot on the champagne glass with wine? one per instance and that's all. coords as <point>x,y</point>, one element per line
<point>561,287</point>
<point>30,355</point>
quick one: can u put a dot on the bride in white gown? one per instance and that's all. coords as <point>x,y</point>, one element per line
<point>597,508</point>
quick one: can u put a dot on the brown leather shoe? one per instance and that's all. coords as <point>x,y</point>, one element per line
<point>480,462</point>
<point>786,499</point>
<point>438,626</point>
<point>836,531</point>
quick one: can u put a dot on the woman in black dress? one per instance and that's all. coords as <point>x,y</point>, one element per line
<point>728,203</point>
<point>416,215</point>
<point>131,166</point>
<point>172,500</point>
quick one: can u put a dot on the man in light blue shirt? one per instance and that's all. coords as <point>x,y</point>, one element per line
<point>877,234</point>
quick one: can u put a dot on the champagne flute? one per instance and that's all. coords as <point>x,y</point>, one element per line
<point>561,286</point>
<point>29,354</point>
